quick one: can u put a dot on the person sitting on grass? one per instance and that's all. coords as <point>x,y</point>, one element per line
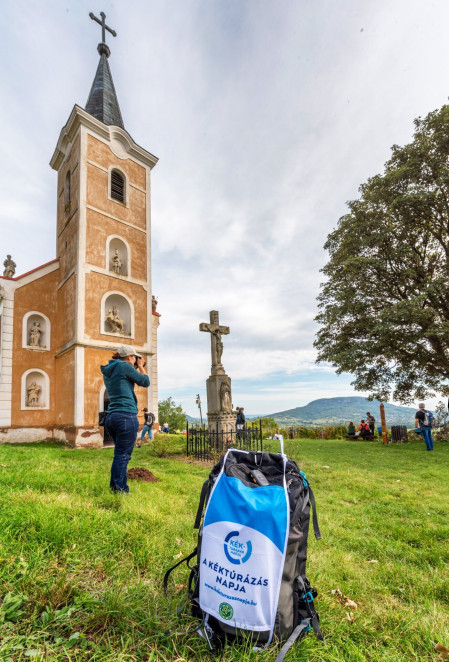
<point>351,429</point>
<point>364,429</point>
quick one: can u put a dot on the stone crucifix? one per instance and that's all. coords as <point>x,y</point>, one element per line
<point>216,332</point>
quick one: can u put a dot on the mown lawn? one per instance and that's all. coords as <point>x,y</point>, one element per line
<point>81,569</point>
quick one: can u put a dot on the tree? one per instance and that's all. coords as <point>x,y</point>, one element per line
<point>171,413</point>
<point>384,309</point>
<point>269,425</point>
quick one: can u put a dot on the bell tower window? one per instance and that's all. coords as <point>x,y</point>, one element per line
<point>117,186</point>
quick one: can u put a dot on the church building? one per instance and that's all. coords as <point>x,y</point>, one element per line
<point>62,320</point>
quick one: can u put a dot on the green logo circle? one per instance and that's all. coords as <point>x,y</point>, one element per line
<point>226,611</point>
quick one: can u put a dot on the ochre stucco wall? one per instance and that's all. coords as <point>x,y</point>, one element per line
<point>65,389</point>
<point>93,381</point>
<point>97,196</point>
<point>39,296</point>
<point>100,159</point>
<point>99,228</point>
<point>99,153</point>
<point>68,215</point>
<point>96,286</point>
<point>66,301</point>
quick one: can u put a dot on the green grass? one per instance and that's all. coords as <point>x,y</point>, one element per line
<point>81,569</point>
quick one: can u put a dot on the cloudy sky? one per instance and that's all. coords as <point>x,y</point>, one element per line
<point>266,117</point>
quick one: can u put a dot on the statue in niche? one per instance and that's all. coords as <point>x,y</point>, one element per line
<point>35,335</point>
<point>153,303</point>
<point>116,262</point>
<point>10,267</point>
<point>225,397</point>
<point>114,320</point>
<point>33,394</point>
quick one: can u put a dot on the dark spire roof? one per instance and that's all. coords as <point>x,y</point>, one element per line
<point>102,102</point>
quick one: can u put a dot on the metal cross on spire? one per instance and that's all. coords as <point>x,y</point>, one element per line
<point>104,27</point>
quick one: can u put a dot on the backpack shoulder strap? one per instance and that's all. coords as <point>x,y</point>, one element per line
<point>299,631</point>
<point>199,512</point>
<point>186,559</point>
<point>316,528</point>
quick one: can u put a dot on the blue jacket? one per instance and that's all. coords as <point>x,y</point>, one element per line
<point>119,378</point>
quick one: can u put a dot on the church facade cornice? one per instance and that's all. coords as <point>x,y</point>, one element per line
<point>119,139</point>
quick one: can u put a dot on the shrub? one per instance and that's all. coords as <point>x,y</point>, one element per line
<point>164,445</point>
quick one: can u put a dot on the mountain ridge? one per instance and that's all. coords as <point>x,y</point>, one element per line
<point>341,410</point>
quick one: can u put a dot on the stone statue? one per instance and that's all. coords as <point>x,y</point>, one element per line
<point>116,262</point>
<point>33,394</point>
<point>225,397</point>
<point>35,335</point>
<point>220,415</point>
<point>216,332</point>
<point>114,320</point>
<point>153,303</point>
<point>218,346</point>
<point>10,267</point>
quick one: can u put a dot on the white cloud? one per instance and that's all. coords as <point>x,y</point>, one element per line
<point>266,118</point>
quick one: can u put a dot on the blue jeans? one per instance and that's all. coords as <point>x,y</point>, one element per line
<point>427,434</point>
<point>123,427</point>
<point>147,428</point>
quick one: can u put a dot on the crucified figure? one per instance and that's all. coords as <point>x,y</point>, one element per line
<point>216,332</point>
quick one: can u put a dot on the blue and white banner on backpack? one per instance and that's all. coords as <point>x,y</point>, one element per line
<point>242,553</point>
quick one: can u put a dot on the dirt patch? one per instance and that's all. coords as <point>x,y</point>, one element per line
<point>190,460</point>
<point>139,473</point>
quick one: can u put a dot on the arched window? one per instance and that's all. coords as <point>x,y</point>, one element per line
<point>67,189</point>
<point>35,389</point>
<point>118,186</point>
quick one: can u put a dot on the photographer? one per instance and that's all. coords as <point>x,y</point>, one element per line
<point>125,369</point>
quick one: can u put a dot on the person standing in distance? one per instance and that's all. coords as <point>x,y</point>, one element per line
<point>371,422</point>
<point>125,369</point>
<point>423,420</point>
<point>240,422</point>
<point>148,424</point>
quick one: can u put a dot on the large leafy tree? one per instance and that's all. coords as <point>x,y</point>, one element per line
<point>384,308</point>
<point>171,413</point>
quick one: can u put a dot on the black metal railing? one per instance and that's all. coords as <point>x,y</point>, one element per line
<point>210,443</point>
<point>399,433</point>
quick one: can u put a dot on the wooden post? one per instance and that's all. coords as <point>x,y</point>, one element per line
<point>383,423</point>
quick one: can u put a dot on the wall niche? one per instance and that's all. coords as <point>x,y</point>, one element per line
<point>35,390</point>
<point>36,331</point>
<point>117,255</point>
<point>117,315</point>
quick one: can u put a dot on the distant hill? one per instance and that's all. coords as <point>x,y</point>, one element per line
<point>334,411</point>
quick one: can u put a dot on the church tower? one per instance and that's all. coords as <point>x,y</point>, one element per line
<point>104,246</point>
<point>66,318</point>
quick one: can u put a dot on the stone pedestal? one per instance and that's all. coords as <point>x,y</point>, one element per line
<point>220,416</point>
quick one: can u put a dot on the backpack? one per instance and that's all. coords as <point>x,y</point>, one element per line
<point>149,419</point>
<point>428,418</point>
<point>249,577</point>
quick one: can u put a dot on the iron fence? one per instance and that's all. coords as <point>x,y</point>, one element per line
<point>210,443</point>
<point>399,433</point>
